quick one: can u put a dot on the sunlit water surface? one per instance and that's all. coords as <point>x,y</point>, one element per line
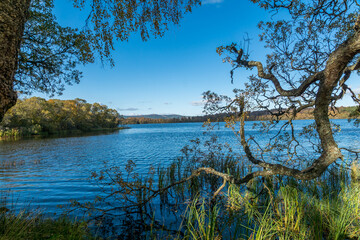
<point>49,172</point>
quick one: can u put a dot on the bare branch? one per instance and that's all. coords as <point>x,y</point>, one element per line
<point>269,76</point>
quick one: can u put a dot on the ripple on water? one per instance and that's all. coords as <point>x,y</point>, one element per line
<point>56,170</point>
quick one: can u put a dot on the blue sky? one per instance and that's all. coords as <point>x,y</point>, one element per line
<point>169,75</point>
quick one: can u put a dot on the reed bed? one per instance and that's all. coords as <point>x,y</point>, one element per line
<point>26,224</point>
<point>281,208</point>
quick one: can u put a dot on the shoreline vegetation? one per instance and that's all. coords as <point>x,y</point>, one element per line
<point>39,117</point>
<point>15,134</point>
<point>339,113</point>
<point>271,208</point>
<point>32,225</point>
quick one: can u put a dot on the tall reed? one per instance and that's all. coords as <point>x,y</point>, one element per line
<point>286,210</point>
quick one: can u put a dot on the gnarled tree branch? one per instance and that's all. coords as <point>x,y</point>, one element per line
<point>269,76</point>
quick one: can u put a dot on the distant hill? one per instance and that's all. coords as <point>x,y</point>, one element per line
<point>341,113</point>
<point>156,116</point>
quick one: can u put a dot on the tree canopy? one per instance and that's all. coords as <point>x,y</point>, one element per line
<point>38,54</point>
<point>315,47</point>
<point>119,19</point>
<point>39,116</point>
<point>49,54</point>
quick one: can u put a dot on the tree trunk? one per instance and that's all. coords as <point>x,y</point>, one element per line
<point>13,16</point>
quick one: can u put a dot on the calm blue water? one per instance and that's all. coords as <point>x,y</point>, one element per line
<point>52,171</point>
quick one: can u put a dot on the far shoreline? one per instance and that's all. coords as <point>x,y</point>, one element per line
<point>65,133</point>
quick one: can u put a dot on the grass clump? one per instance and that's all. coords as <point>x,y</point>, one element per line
<point>281,209</point>
<point>277,207</point>
<point>201,221</point>
<point>28,225</point>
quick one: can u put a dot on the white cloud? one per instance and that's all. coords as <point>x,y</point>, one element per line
<point>211,2</point>
<point>356,90</point>
<point>127,109</point>
<point>197,103</point>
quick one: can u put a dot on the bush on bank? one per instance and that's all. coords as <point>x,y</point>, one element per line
<point>27,225</point>
<point>36,116</point>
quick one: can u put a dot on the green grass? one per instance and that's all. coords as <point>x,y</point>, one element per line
<point>283,209</point>
<point>200,222</point>
<point>276,207</point>
<point>28,225</point>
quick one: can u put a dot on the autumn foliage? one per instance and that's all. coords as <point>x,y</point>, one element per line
<point>39,116</point>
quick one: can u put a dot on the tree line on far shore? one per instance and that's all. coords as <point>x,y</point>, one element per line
<point>34,116</point>
<point>339,113</point>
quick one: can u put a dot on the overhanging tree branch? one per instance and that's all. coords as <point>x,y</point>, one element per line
<point>269,76</point>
